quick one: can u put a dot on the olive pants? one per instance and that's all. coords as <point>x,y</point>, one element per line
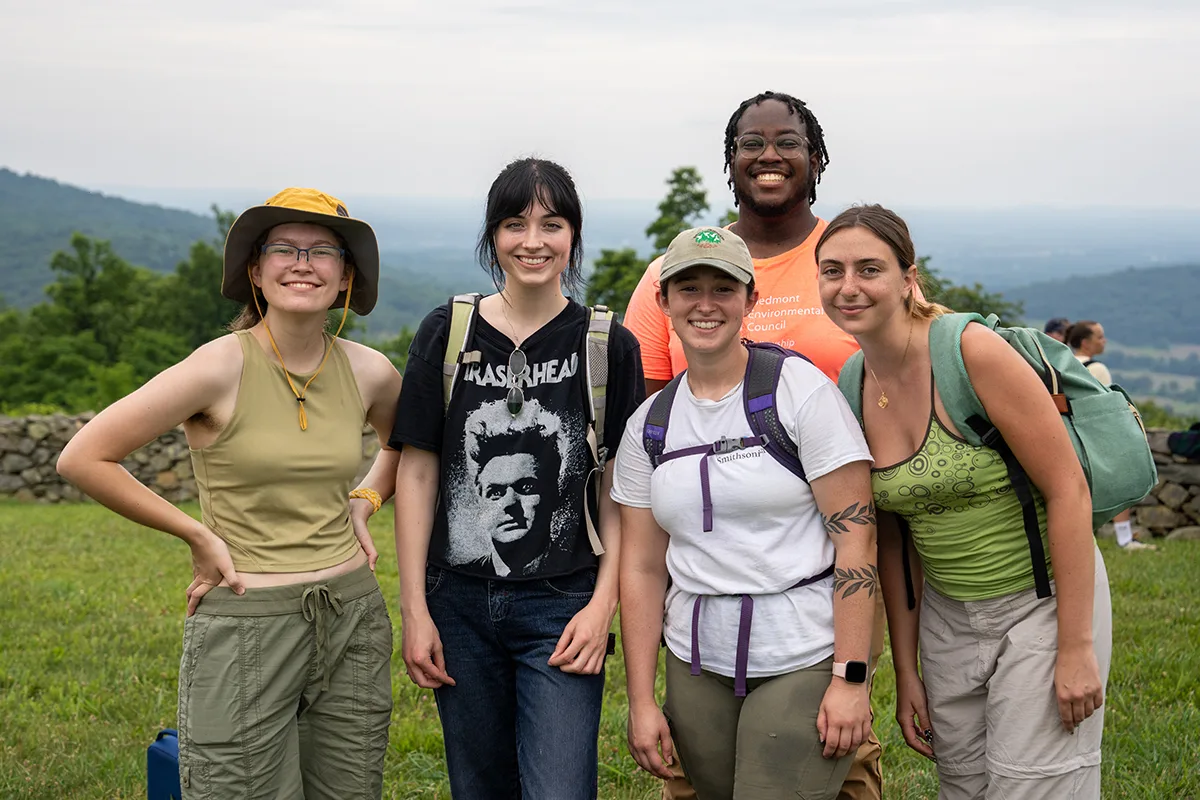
<point>865,779</point>
<point>759,747</point>
<point>285,692</point>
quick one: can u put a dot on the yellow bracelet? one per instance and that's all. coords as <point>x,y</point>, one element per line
<point>365,493</point>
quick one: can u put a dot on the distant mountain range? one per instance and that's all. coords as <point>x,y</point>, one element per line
<point>1000,248</point>
<point>38,216</point>
<point>1152,307</point>
<point>1059,263</point>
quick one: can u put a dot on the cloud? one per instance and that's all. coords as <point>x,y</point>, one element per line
<point>929,102</point>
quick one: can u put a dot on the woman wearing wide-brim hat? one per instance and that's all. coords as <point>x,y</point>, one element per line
<point>285,683</point>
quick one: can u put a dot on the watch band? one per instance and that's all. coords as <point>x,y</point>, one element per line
<point>854,672</point>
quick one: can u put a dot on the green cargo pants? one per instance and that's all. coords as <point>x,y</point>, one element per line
<point>285,692</point>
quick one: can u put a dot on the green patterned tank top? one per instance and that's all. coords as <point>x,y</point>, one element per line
<point>963,514</point>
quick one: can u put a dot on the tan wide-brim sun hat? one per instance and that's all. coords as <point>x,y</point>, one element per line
<point>317,208</point>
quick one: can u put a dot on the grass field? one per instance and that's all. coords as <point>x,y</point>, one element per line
<point>91,623</point>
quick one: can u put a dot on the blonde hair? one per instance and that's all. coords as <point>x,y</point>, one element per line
<point>889,228</point>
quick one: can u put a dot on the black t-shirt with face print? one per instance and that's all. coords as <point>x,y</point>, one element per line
<point>512,491</point>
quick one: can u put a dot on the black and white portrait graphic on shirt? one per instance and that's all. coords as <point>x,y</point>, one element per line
<point>508,508</point>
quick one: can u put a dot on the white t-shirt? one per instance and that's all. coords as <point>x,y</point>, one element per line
<point>767,532</point>
<point>1098,370</point>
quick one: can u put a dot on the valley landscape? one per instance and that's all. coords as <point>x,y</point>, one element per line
<point>1136,271</point>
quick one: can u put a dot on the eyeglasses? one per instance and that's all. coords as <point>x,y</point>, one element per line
<point>789,145</point>
<point>321,254</point>
<point>518,368</point>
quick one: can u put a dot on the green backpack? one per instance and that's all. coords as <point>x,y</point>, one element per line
<point>1102,421</point>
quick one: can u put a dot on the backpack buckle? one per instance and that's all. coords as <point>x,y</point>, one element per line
<point>728,445</point>
<point>992,438</point>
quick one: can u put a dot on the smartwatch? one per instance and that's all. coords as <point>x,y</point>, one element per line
<point>850,671</point>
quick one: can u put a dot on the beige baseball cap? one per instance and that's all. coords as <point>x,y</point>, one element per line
<point>708,246</point>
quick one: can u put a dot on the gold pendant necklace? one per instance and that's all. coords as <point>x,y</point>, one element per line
<point>882,402</point>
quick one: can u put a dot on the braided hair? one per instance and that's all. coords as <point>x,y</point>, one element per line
<point>816,137</point>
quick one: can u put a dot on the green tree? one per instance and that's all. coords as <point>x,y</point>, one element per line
<point>730,217</point>
<point>96,338</point>
<point>95,290</point>
<point>615,274</point>
<point>968,298</point>
<point>1156,416</point>
<point>225,219</point>
<point>686,200</point>
<point>50,368</point>
<point>190,303</point>
<point>395,347</point>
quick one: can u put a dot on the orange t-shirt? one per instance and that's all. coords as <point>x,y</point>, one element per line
<point>788,313</point>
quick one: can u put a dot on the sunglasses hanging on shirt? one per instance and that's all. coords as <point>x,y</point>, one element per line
<point>518,368</point>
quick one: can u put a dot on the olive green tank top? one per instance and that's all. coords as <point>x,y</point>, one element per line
<point>276,494</point>
<point>964,517</point>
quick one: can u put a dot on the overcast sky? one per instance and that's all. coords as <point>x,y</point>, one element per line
<point>924,102</point>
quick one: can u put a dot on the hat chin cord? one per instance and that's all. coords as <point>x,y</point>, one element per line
<point>300,393</point>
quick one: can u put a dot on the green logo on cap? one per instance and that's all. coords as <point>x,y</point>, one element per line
<point>709,237</point>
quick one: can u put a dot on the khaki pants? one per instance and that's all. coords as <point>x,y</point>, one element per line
<point>988,667</point>
<point>286,692</point>
<point>864,781</point>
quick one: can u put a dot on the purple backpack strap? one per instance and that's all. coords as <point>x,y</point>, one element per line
<point>722,445</point>
<point>654,442</point>
<point>758,395</point>
<point>654,431</point>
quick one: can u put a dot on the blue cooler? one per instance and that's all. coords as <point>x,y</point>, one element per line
<point>162,767</point>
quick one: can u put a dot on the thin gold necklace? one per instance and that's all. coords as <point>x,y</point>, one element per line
<point>504,302</point>
<point>882,402</point>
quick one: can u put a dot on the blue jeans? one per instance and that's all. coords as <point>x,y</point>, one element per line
<point>514,727</point>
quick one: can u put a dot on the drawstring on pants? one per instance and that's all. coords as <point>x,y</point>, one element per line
<point>316,603</point>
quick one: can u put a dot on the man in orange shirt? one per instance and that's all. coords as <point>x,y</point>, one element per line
<point>774,191</point>
<point>775,155</point>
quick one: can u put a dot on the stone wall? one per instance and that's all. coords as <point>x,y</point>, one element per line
<point>29,448</point>
<point>1173,508</point>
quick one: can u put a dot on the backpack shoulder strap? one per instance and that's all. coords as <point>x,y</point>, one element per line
<point>658,417</point>
<point>850,382</point>
<point>967,413</point>
<point>464,309</point>
<point>595,353</point>
<point>758,397</point>
<point>950,373</point>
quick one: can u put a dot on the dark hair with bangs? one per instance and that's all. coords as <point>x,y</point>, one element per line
<point>513,191</point>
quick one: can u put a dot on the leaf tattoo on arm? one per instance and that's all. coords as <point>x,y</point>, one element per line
<point>853,579</point>
<point>853,515</point>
